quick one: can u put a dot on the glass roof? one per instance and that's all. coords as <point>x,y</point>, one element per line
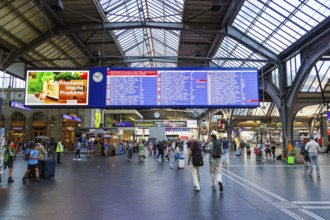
<point>260,111</point>
<point>146,42</point>
<point>230,48</point>
<point>197,111</point>
<point>310,110</point>
<point>311,83</point>
<point>278,24</point>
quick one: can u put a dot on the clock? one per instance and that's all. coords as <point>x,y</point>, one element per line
<point>97,77</point>
<point>156,114</point>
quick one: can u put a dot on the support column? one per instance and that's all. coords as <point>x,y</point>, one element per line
<point>324,131</point>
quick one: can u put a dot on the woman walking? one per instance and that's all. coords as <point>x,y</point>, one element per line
<point>195,154</point>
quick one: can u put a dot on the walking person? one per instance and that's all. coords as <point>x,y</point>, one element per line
<point>312,147</point>
<point>90,149</point>
<point>34,156</point>
<point>215,150</point>
<point>267,148</point>
<point>178,154</point>
<point>130,150</point>
<point>59,150</point>
<point>77,150</point>
<point>160,147</point>
<point>273,148</point>
<point>9,157</point>
<point>141,151</point>
<point>195,154</point>
<point>105,148</point>
<point>225,146</point>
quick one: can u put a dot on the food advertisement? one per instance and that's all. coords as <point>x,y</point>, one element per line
<point>56,87</point>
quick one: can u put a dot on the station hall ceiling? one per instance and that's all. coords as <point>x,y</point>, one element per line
<point>156,33</point>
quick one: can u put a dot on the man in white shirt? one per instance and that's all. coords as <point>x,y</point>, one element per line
<point>312,147</point>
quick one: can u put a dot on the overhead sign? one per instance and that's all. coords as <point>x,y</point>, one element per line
<point>19,105</point>
<point>174,87</point>
<point>57,88</point>
<point>161,123</point>
<point>71,117</point>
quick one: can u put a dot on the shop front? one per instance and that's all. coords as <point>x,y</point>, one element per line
<point>70,123</point>
<point>17,132</point>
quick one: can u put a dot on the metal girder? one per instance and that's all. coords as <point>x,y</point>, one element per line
<point>151,59</point>
<point>304,70</point>
<point>52,13</point>
<point>129,59</point>
<point>273,92</point>
<point>250,43</point>
<point>62,25</point>
<point>82,46</point>
<point>320,31</point>
<point>227,19</point>
<point>109,26</point>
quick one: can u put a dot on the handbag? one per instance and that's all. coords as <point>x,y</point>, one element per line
<point>290,159</point>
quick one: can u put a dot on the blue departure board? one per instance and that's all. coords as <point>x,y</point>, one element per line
<point>174,87</point>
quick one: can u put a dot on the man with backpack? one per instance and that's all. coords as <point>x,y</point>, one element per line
<point>9,154</point>
<point>216,151</point>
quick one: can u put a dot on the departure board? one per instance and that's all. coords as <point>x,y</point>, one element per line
<point>175,87</point>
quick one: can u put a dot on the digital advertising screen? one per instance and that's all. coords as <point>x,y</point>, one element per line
<point>57,88</point>
<point>174,87</point>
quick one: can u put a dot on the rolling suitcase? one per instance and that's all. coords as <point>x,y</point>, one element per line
<point>47,168</point>
<point>248,151</point>
<point>238,152</point>
<point>181,163</point>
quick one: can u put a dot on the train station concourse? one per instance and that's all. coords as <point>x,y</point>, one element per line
<point>101,79</point>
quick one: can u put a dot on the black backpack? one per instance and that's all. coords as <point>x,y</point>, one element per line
<point>197,157</point>
<point>217,149</point>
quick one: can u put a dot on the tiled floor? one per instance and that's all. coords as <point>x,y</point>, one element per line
<point>114,188</point>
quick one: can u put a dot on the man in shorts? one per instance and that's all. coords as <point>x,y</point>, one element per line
<point>9,155</point>
<point>34,155</point>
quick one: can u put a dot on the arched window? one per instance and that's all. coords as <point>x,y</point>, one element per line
<point>17,116</point>
<point>39,116</point>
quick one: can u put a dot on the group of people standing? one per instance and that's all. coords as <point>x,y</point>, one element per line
<point>34,152</point>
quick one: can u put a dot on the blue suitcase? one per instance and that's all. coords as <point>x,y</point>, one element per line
<point>47,168</point>
<point>238,153</point>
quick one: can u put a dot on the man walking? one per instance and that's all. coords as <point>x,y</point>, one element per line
<point>312,147</point>
<point>225,145</point>
<point>215,150</point>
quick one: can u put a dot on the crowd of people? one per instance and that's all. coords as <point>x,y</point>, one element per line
<point>170,150</point>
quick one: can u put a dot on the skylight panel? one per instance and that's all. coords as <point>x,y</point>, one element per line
<point>232,49</point>
<point>289,19</point>
<point>146,41</point>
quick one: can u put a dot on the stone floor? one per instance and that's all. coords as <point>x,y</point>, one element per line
<point>115,188</point>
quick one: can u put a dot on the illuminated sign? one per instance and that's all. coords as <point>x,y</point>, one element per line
<point>175,87</point>
<point>123,124</point>
<point>57,88</point>
<point>19,105</point>
<point>72,118</point>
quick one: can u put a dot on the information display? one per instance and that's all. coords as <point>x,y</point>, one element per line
<point>225,87</point>
<point>144,88</point>
<point>57,87</point>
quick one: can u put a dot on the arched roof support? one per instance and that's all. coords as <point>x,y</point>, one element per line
<point>304,70</point>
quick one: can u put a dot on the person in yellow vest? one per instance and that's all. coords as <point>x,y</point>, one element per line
<point>59,150</point>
